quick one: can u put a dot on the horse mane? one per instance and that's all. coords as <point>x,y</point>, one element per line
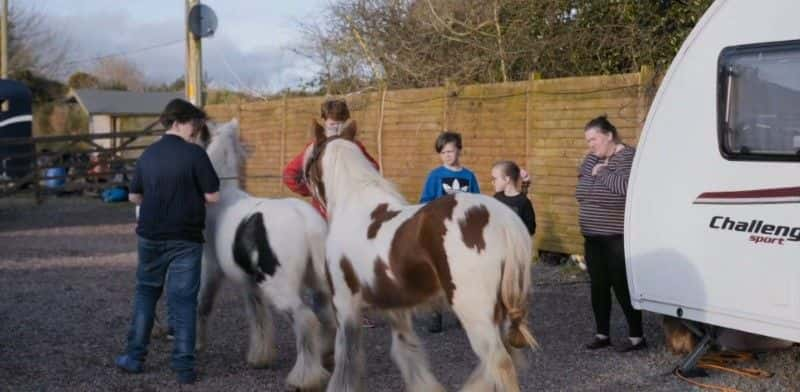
<point>348,158</point>
<point>225,150</point>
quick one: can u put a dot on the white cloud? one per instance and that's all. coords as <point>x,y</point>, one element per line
<point>251,49</point>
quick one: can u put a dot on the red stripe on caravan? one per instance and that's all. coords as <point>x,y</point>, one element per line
<point>751,194</point>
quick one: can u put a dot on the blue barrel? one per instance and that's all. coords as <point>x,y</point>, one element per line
<point>55,182</point>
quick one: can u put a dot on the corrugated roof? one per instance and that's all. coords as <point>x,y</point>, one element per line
<point>122,103</point>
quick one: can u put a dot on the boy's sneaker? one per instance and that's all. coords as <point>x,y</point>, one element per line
<point>128,364</point>
<point>187,377</point>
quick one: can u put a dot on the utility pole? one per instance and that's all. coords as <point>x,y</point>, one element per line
<point>194,62</point>
<point>4,42</point>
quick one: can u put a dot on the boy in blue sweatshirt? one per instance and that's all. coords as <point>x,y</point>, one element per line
<point>451,177</point>
<point>448,179</point>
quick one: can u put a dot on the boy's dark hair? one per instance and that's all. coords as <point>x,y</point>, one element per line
<point>447,137</point>
<point>602,124</point>
<point>335,109</point>
<point>181,111</point>
<point>510,169</point>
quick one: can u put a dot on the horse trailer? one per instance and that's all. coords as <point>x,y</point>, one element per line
<point>15,122</point>
<point>712,225</point>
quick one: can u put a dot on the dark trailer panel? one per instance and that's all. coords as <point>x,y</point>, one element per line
<point>16,121</point>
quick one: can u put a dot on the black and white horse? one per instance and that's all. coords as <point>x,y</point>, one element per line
<point>274,249</point>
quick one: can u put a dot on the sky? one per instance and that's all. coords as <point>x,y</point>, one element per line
<point>251,49</point>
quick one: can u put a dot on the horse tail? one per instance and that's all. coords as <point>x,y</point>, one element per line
<point>516,283</point>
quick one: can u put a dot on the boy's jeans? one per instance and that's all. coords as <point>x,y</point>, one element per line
<point>182,261</point>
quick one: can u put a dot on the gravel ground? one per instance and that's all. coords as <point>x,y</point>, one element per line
<point>67,279</point>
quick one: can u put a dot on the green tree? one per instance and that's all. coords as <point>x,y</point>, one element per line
<point>422,43</point>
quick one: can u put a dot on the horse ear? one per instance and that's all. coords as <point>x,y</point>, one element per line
<point>349,131</point>
<point>317,130</point>
<point>213,127</point>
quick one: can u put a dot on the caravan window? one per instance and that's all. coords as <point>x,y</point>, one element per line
<point>759,101</point>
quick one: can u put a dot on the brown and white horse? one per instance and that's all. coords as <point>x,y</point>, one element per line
<point>468,249</point>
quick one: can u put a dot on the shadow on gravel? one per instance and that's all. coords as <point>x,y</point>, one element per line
<point>24,214</point>
<point>22,248</point>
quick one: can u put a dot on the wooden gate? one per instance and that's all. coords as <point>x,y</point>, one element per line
<point>77,163</point>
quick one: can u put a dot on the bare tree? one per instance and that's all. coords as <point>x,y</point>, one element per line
<point>422,43</point>
<point>35,45</point>
<point>119,73</point>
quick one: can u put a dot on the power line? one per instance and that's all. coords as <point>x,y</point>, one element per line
<point>126,53</point>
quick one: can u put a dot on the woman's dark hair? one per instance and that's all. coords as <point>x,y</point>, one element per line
<point>602,124</point>
<point>447,137</point>
<point>181,111</point>
<point>335,109</point>
<point>509,169</point>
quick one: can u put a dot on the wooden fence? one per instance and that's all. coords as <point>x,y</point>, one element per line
<point>83,161</point>
<point>537,123</point>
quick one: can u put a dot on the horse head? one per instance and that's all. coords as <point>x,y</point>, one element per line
<point>226,151</point>
<point>313,160</point>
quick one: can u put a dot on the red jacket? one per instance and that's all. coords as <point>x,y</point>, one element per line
<point>293,176</point>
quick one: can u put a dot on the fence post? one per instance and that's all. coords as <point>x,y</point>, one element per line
<point>450,92</point>
<point>529,89</point>
<point>380,127</point>
<point>646,79</point>
<point>37,191</point>
<point>284,124</point>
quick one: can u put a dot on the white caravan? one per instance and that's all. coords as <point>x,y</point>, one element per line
<point>712,226</point>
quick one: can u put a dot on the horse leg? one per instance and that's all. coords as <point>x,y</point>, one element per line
<point>210,281</point>
<point>327,320</point>
<point>496,371</point>
<point>409,355</point>
<point>349,354</point>
<point>261,352</point>
<point>308,372</point>
<point>318,283</point>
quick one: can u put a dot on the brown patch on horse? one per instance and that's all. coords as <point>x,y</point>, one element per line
<point>317,130</point>
<point>475,220</point>
<point>398,291</point>
<point>350,276</point>
<point>313,170</point>
<point>380,214</point>
<point>417,260</point>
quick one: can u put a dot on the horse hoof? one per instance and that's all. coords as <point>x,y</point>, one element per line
<point>294,388</point>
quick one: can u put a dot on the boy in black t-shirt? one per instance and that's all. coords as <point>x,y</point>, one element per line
<point>511,185</point>
<point>174,180</point>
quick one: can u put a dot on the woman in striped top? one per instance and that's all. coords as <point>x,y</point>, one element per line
<point>601,190</point>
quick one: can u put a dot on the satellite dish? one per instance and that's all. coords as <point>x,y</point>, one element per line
<point>202,21</point>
